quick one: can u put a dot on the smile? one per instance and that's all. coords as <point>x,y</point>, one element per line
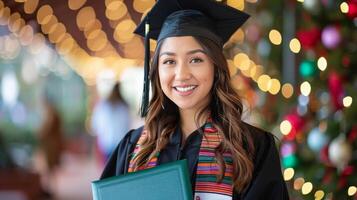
<point>185,88</point>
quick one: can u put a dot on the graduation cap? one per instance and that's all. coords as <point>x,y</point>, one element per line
<point>170,18</point>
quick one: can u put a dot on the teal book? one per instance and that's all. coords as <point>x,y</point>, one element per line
<point>167,181</point>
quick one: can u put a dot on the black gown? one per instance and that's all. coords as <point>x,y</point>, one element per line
<point>267,182</point>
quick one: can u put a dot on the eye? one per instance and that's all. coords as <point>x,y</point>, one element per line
<point>168,62</point>
<point>196,60</point>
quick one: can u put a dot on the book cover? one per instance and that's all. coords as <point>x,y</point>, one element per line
<point>167,181</point>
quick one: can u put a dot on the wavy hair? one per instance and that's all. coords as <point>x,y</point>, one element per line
<point>225,110</point>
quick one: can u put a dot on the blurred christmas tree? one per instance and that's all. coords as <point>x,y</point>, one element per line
<point>320,131</point>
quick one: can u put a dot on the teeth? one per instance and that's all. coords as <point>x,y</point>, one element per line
<point>184,89</point>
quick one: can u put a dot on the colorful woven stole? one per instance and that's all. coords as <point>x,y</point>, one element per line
<point>206,187</point>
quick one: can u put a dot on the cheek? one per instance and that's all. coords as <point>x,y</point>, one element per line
<point>164,79</point>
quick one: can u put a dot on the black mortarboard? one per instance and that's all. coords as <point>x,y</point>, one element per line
<point>204,18</point>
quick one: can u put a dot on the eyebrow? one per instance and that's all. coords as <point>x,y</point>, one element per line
<point>188,53</point>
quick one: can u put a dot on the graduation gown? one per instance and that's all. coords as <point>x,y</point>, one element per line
<point>267,182</point>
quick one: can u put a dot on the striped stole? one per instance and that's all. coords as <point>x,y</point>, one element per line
<point>207,187</point>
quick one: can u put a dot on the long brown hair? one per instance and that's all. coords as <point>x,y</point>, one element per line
<point>225,109</point>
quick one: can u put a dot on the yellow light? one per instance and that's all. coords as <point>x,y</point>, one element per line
<point>238,36</point>
<point>275,86</point>
<point>263,82</point>
<point>76,4</point>
<point>65,45</point>
<point>107,2</point>
<point>322,63</point>
<point>30,6</point>
<point>142,5</point>
<point>306,188</point>
<point>97,43</point>
<point>237,4</point>
<point>124,31</point>
<point>275,37</point>
<point>116,10</point>
<point>85,15</point>
<point>298,183</point>
<point>305,88</point>
<point>295,45</point>
<point>26,35</point>
<point>288,174</point>
<point>48,26</point>
<point>4,15</point>
<point>344,7</point>
<point>16,25</point>
<point>134,44</point>
<point>241,59</point>
<point>43,13</point>
<point>285,127</point>
<point>319,194</point>
<point>287,90</point>
<point>57,33</point>
<point>246,67</point>
<point>15,16</point>
<point>253,70</point>
<point>258,72</point>
<point>302,1</point>
<point>347,101</point>
<point>352,190</point>
<point>91,26</point>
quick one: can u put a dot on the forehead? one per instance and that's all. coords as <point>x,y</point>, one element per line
<point>180,44</point>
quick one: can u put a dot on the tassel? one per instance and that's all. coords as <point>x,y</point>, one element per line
<point>145,97</point>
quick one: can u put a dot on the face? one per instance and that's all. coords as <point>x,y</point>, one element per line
<point>186,72</point>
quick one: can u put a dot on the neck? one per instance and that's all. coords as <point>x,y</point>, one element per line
<point>188,121</point>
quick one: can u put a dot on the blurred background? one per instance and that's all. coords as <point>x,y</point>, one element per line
<point>71,81</point>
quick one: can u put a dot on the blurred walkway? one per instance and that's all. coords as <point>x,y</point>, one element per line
<point>75,176</point>
<point>73,179</point>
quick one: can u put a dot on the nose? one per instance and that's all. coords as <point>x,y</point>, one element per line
<point>182,72</point>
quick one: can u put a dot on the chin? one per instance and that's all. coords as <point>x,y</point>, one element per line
<point>184,106</point>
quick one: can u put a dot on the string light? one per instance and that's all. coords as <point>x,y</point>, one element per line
<point>344,7</point>
<point>322,63</point>
<point>44,13</point>
<point>275,37</point>
<point>85,15</point>
<point>76,4</point>
<point>241,59</point>
<point>274,86</point>
<point>287,90</point>
<point>298,183</point>
<point>288,174</point>
<point>30,6</point>
<point>305,88</point>
<point>123,33</point>
<point>142,5</point>
<point>319,194</point>
<point>306,188</point>
<point>295,45</point>
<point>285,127</point>
<point>347,101</point>
<point>263,82</point>
<point>237,4</point>
<point>116,10</point>
<point>352,190</point>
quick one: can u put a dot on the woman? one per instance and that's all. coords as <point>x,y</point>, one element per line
<point>195,113</point>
